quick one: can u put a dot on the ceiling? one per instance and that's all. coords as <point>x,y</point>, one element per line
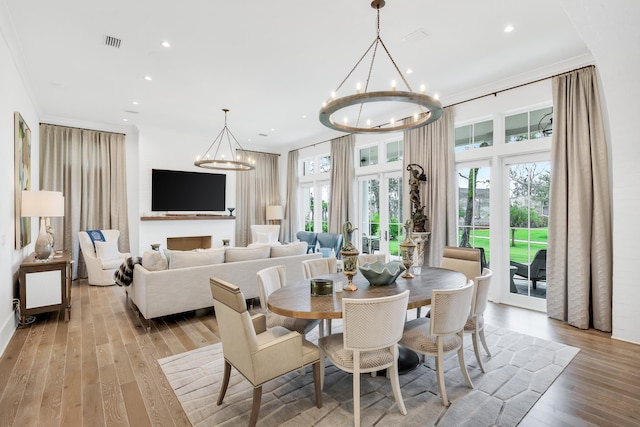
<point>270,62</point>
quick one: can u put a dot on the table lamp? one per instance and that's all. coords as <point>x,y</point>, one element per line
<point>43,204</point>
<point>275,213</point>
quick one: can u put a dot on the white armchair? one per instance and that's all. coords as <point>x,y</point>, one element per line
<point>265,233</point>
<point>103,259</point>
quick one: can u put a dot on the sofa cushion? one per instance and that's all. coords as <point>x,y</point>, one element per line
<point>154,261</point>
<point>297,248</point>
<point>107,251</point>
<point>245,254</point>
<point>183,259</point>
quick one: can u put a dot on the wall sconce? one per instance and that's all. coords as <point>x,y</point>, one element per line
<point>43,204</point>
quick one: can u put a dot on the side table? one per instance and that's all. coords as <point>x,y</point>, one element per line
<point>45,285</point>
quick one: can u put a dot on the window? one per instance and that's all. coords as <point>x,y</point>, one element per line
<point>307,209</point>
<point>474,208</point>
<point>394,151</point>
<point>475,135</point>
<point>369,156</point>
<point>307,167</point>
<point>529,125</point>
<point>325,164</point>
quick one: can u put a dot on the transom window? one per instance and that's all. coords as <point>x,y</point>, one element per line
<point>475,135</point>
<point>529,125</point>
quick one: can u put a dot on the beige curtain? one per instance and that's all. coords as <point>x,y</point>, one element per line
<point>341,203</point>
<point>579,265</point>
<point>291,225</point>
<point>255,190</point>
<point>89,167</point>
<point>431,147</point>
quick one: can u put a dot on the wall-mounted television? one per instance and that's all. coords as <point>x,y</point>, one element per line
<point>187,191</point>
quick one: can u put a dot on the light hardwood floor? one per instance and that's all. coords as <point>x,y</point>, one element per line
<point>100,367</point>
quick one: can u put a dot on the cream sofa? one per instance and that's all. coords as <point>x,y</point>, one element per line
<point>184,286</point>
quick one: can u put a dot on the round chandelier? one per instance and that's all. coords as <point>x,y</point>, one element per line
<point>427,108</point>
<point>222,154</point>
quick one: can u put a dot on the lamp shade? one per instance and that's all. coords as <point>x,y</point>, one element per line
<point>42,203</point>
<point>275,212</point>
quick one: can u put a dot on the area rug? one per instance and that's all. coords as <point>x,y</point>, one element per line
<point>520,370</point>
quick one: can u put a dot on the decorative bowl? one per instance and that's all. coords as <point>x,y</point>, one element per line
<point>378,273</point>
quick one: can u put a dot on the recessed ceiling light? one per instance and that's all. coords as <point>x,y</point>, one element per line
<point>166,44</point>
<point>147,78</point>
<point>272,129</point>
<point>508,28</point>
<point>135,103</point>
<point>409,71</point>
<point>304,116</point>
<point>125,120</point>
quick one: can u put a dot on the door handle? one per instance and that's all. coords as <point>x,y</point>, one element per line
<point>386,235</point>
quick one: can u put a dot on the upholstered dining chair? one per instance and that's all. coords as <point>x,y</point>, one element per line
<point>475,322</point>
<point>443,332</point>
<point>464,260</point>
<point>372,328</point>
<point>258,353</point>
<point>318,267</point>
<point>269,280</point>
<point>101,255</point>
<point>371,258</point>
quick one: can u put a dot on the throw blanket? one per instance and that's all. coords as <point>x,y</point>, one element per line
<point>124,274</point>
<point>96,236</point>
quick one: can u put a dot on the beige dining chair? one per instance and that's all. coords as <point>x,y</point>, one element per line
<point>258,353</point>
<point>463,260</point>
<point>371,258</point>
<point>269,280</point>
<point>318,267</point>
<point>443,332</point>
<point>475,322</point>
<point>372,328</point>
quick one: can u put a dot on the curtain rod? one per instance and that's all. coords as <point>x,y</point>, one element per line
<point>75,127</point>
<point>260,152</point>
<point>494,93</point>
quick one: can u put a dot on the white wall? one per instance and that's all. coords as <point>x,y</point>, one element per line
<point>612,35</point>
<point>14,97</point>
<point>167,149</point>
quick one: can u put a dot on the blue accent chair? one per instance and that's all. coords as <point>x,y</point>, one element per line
<point>310,237</point>
<point>330,241</point>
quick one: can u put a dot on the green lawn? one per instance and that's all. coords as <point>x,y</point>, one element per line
<point>519,252</point>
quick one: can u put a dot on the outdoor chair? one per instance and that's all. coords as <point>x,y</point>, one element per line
<point>536,271</point>
<point>372,328</point>
<point>258,353</point>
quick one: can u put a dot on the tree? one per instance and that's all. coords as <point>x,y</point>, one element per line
<point>518,217</point>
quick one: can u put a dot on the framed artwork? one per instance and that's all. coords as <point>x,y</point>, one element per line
<point>22,178</point>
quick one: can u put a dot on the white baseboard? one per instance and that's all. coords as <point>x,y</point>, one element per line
<point>8,328</point>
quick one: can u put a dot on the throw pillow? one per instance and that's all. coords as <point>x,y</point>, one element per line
<point>154,261</point>
<point>297,248</point>
<point>245,254</point>
<point>107,251</point>
<point>263,237</point>
<point>184,259</point>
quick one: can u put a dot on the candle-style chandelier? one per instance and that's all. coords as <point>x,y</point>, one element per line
<point>427,108</point>
<point>223,154</point>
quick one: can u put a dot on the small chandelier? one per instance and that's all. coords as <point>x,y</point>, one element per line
<point>225,156</point>
<point>428,110</point>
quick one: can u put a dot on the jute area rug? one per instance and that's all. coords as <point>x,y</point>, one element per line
<point>520,370</point>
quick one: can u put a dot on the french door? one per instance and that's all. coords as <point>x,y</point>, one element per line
<point>381,215</point>
<point>527,203</point>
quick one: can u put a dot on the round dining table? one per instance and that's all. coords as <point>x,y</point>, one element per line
<point>295,300</point>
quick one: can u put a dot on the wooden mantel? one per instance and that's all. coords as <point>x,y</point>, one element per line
<point>185,217</point>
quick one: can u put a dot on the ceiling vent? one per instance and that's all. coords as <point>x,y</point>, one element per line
<point>416,35</point>
<point>112,41</point>
<point>131,112</point>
